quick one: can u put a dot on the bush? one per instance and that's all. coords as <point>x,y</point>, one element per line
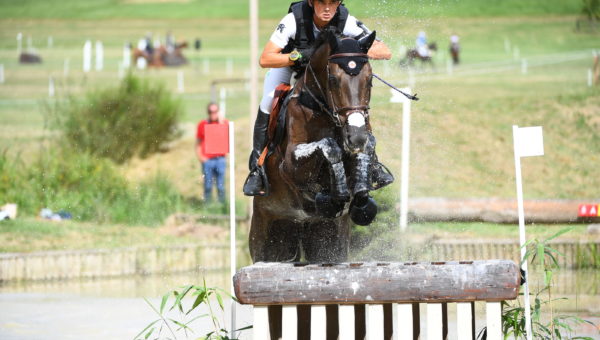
<point>134,119</point>
<point>91,189</point>
<point>591,9</point>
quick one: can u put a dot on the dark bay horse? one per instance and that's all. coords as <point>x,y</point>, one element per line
<point>319,172</point>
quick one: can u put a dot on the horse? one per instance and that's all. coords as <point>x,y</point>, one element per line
<point>455,52</point>
<point>161,56</point>
<point>319,170</point>
<point>413,54</point>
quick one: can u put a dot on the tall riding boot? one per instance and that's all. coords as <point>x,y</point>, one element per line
<point>255,184</point>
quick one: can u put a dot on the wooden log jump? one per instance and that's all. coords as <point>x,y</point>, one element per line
<point>375,300</point>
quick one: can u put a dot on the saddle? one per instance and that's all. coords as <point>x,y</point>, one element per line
<point>276,129</point>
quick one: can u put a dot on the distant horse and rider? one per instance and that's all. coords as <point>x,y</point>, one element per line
<point>157,55</point>
<point>422,51</point>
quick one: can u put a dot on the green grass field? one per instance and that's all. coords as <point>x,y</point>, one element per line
<point>461,131</point>
<point>272,9</point>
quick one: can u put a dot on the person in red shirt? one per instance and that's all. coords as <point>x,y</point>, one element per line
<point>213,165</point>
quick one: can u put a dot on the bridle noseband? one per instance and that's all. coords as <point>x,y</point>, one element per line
<point>333,111</point>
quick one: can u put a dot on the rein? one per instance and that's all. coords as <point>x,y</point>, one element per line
<point>335,111</point>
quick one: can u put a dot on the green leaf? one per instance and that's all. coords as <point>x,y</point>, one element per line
<point>198,301</point>
<point>547,277</point>
<point>164,302</point>
<point>560,232</point>
<point>540,253</point>
<point>145,329</point>
<point>220,300</point>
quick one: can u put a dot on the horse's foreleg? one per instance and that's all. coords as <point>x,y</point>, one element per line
<point>332,153</point>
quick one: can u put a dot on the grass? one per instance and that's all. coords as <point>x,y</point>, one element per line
<point>272,9</point>
<point>29,235</point>
<point>461,129</point>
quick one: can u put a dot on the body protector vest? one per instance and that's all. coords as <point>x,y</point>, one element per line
<point>303,14</point>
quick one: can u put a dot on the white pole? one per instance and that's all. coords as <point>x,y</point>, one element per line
<point>449,67</point>
<point>229,67</point>
<point>205,66</point>
<point>516,53</point>
<point>1,73</point>
<point>87,56</point>
<point>180,81</point>
<point>99,55</point>
<point>50,42</point>
<point>66,67</point>
<point>223,101</point>
<point>522,238</point>
<point>19,43</point>
<point>121,70</point>
<point>253,75</point>
<point>405,162</point>
<point>232,232</point>
<point>126,56</point>
<point>50,87</point>
<point>590,78</point>
<point>524,66</point>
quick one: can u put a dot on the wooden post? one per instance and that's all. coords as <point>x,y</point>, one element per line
<point>374,322</point>
<point>346,322</point>
<point>318,322</point>
<point>437,321</point>
<point>261,323</point>
<point>289,323</point>
<point>403,319</point>
<point>493,318</point>
<point>465,320</point>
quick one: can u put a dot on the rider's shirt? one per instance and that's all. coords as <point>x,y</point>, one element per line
<point>286,30</point>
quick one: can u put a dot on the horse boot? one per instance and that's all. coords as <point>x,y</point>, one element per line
<point>256,184</point>
<point>363,208</point>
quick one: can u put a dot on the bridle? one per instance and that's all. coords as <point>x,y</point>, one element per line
<point>333,110</point>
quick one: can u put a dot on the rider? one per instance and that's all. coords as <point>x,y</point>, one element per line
<point>421,44</point>
<point>286,52</point>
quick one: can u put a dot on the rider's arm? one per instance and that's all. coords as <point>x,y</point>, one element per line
<point>379,50</point>
<point>272,57</point>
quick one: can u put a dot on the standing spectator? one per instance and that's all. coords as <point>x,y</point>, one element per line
<point>213,165</point>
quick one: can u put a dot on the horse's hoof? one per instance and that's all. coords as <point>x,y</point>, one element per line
<point>328,207</point>
<point>363,210</point>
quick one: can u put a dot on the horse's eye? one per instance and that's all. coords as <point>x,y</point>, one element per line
<point>333,81</point>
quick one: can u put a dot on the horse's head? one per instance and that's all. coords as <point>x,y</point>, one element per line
<point>345,78</point>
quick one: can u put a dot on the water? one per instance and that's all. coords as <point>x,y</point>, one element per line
<point>115,308</point>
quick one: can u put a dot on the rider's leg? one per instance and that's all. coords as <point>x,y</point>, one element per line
<point>254,183</point>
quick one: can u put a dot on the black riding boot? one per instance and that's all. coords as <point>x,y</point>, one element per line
<point>255,184</point>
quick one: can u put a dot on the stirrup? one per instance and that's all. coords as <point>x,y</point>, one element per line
<point>252,187</point>
<point>382,176</point>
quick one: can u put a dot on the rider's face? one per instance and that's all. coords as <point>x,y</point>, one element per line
<point>325,9</point>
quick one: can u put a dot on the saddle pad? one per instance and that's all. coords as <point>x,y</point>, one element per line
<point>281,93</point>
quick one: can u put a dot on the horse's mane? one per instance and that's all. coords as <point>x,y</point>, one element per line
<point>323,38</point>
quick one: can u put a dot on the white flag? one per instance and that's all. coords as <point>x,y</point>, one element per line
<point>529,141</point>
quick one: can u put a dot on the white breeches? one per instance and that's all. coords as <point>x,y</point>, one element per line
<point>273,78</point>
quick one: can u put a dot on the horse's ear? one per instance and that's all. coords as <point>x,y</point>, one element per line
<point>366,42</point>
<point>333,42</point>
